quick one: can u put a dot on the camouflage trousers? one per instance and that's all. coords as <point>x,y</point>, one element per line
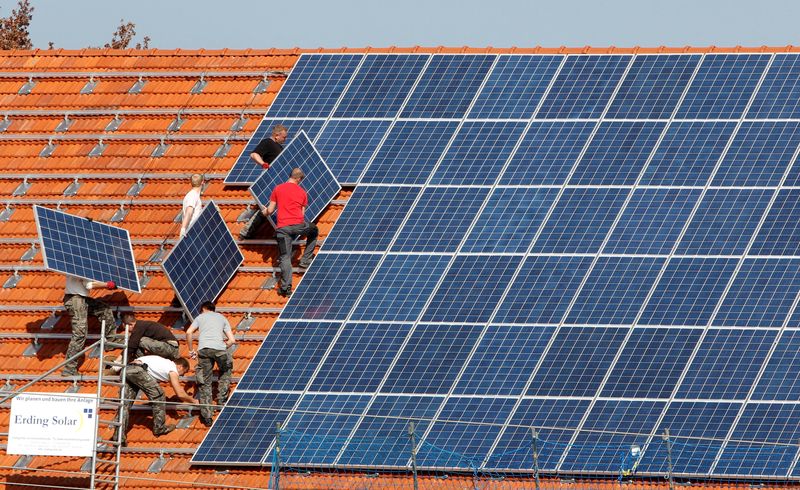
<point>80,307</point>
<point>138,379</point>
<point>206,358</point>
<point>158,348</point>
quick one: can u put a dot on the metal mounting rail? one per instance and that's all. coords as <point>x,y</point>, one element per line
<point>89,377</point>
<point>148,176</point>
<point>241,336</point>
<point>155,136</point>
<point>144,74</point>
<point>158,241</point>
<point>142,449</point>
<point>148,268</point>
<point>141,308</point>
<point>133,112</point>
<point>130,202</point>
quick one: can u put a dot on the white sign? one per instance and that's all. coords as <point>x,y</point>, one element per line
<point>52,424</point>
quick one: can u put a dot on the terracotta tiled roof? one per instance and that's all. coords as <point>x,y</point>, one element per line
<point>232,76</point>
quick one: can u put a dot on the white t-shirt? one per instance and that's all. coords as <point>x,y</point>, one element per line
<point>192,200</point>
<point>158,367</point>
<point>76,285</point>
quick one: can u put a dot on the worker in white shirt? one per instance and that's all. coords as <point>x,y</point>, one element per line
<point>145,374</point>
<point>192,204</point>
<point>80,305</point>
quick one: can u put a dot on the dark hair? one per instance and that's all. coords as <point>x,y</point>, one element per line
<point>182,362</point>
<point>129,317</point>
<point>208,305</point>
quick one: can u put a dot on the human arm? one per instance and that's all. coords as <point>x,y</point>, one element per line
<point>257,158</point>
<point>133,342</point>
<point>190,341</point>
<point>270,208</point>
<point>175,381</point>
<point>100,285</point>
<point>229,338</point>
<point>187,218</point>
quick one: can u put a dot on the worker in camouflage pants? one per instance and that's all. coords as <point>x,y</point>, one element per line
<point>144,374</point>
<point>80,305</point>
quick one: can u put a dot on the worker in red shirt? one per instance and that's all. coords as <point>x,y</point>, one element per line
<point>291,201</point>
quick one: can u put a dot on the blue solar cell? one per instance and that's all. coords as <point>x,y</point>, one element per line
<point>80,247</point>
<point>331,286</point>
<point>688,153</point>
<point>504,359</point>
<point>723,86</point>
<point>201,264</point>
<point>779,94</point>
<point>615,290</point>
<point>471,289</point>
<point>288,356</point>
<point>319,183</point>
<point>381,85</point>
<point>580,220</point>
<point>371,218</point>
<point>515,87</point>
<point>319,427</point>
<point>780,232</point>
<point>653,87</point>
<point>651,362</point>
<point>761,295</point>
<point>577,361</point>
<point>605,441</point>
<point>726,364</point>
<point>478,153</point>
<point>347,146</point>
<point>555,421</point>
<point>583,87</point>
<point>401,287</point>
<point>438,221</point>
<point>777,425</point>
<point>432,358</point>
<point>724,221</point>
<point>688,291</point>
<point>246,171</point>
<point>410,152</point>
<point>382,437</point>
<point>510,220</point>
<point>314,85</point>
<point>245,429</point>
<point>455,442</point>
<point>360,357</point>
<point>448,86</point>
<point>547,153</point>
<point>696,432</point>
<point>617,153</point>
<point>652,221</point>
<point>781,377</point>
<point>543,289</point>
<point>759,154</point>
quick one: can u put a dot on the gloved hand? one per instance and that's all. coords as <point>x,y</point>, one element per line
<point>111,285</point>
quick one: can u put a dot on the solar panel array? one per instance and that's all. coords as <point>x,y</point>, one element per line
<point>87,249</point>
<point>602,246</point>
<point>203,262</point>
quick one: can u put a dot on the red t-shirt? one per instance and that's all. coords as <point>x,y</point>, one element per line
<point>291,199</point>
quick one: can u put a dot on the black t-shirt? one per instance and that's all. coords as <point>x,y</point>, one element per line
<point>146,328</point>
<point>268,150</point>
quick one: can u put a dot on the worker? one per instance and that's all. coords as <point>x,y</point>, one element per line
<point>146,337</point>
<point>79,304</point>
<point>264,154</point>
<point>291,201</point>
<point>192,204</point>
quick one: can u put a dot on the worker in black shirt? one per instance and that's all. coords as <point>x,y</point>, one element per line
<point>146,338</point>
<point>265,153</point>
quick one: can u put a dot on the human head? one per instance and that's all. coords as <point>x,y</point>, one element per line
<point>182,364</point>
<point>197,180</point>
<point>298,175</point>
<point>208,306</point>
<point>128,319</point>
<point>279,133</point>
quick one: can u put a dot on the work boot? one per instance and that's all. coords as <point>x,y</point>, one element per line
<point>305,264</point>
<point>166,430</point>
<point>285,292</point>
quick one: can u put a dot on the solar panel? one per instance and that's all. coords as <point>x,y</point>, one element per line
<point>319,183</point>
<point>201,264</point>
<point>246,171</point>
<point>80,247</point>
<point>597,247</point>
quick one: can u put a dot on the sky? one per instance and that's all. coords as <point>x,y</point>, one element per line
<point>263,24</point>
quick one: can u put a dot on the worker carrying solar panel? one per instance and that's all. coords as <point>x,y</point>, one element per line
<point>192,204</point>
<point>264,154</point>
<point>214,338</point>
<point>291,201</point>
<point>80,305</point>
